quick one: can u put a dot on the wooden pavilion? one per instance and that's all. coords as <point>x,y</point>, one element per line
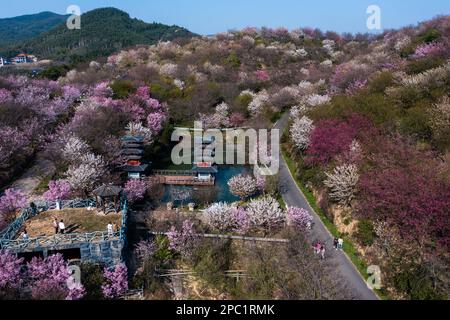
<point>108,198</point>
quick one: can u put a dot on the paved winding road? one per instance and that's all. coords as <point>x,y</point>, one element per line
<point>293,196</point>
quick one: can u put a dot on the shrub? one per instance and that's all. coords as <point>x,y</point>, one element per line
<point>365,234</point>
<point>418,66</point>
<point>135,190</point>
<point>416,124</point>
<point>116,281</point>
<point>233,60</point>
<point>212,259</point>
<point>92,280</point>
<point>54,72</point>
<point>417,284</point>
<point>429,36</point>
<point>382,81</point>
<point>122,88</point>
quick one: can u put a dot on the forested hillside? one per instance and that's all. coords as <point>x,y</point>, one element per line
<point>13,30</point>
<point>103,31</point>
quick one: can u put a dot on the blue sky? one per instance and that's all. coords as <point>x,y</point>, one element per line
<point>212,16</point>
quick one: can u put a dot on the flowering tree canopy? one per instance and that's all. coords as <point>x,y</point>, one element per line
<point>10,271</point>
<point>12,200</point>
<point>145,249</point>
<point>301,131</point>
<point>403,189</point>
<point>57,190</point>
<point>227,218</point>
<point>331,138</point>
<point>51,279</point>
<point>85,175</point>
<point>265,213</point>
<point>116,281</point>
<point>429,49</point>
<point>299,218</point>
<point>155,121</point>
<point>262,75</point>
<point>75,149</point>
<point>219,216</point>
<point>182,241</point>
<point>135,190</point>
<point>342,183</point>
<point>243,186</point>
<point>260,100</point>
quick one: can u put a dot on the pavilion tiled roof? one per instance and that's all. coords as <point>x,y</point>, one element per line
<point>141,168</point>
<point>108,191</point>
<point>205,170</point>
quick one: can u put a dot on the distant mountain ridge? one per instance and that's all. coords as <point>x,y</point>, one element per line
<point>103,31</point>
<point>28,26</point>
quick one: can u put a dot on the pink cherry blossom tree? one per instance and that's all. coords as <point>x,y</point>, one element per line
<point>135,190</point>
<point>242,224</point>
<point>116,281</point>
<point>57,190</point>
<point>10,273</point>
<point>262,75</point>
<point>299,218</point>
<point>183,241</point>
<point>155,121</point>
<point>51,279</point>
<point>12,200</point>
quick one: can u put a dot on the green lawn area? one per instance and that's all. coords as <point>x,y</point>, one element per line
<point>349,248</point>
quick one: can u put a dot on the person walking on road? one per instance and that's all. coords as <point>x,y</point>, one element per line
<point>340,243</point>
<point>322,252</point>
<point>317,247</point>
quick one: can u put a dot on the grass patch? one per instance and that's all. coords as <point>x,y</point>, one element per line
<point>43,185</point>
<point>76,221</point>
<point>349,248</point>
<point>281,201</point>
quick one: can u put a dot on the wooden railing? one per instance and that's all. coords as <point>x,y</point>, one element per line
<point>230,237</point>
<point>194,181</point>
<point>173,173</point>
<point>166,273</point>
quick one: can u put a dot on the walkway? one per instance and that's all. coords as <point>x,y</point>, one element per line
<point>293,196</point>
<point>31,178</point>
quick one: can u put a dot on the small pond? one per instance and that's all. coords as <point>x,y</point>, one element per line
<point>219,193</point>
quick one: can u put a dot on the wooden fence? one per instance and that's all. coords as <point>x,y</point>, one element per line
<point>231,237</point>
<point>173,172</point>
<point>181,272</point>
